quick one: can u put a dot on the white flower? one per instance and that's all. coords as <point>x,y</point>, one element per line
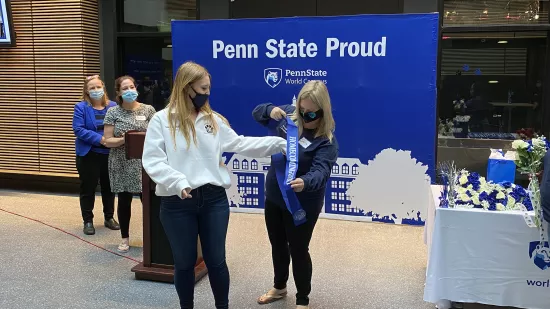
<point>500,195</point>
<point>511,202</point>
<point>463,179</point>
<point>485,205</point>
<point>519,144</point>
<point>500,207</point>
<point>539,142</point>
<point>464,198</point>
<point>461,190</point>
<point>470,187</point>
<point>475,200</point>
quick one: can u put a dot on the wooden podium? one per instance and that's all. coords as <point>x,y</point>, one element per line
<point>158,263</point>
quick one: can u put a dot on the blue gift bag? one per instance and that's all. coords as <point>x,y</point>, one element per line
<point>500,170</point>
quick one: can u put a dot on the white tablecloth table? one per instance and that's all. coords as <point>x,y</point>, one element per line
<point>478,256</point>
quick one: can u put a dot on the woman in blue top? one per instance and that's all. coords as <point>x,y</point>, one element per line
<point>318,151</point>
<point>91,153</point>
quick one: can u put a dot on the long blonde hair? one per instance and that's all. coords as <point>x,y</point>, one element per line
<point>317,92</point>
<point>180,107</point>
<point>86,95</point>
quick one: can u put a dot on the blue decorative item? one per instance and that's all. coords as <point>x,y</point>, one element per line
<point>500,169</point>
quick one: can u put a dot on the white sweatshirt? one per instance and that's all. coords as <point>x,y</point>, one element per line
<point>175,169</point>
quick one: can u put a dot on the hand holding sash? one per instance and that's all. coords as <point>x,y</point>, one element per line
<point>285,170</point>
<point>297,184</point>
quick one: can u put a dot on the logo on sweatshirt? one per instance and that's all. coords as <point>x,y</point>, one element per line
<point>209,128</point>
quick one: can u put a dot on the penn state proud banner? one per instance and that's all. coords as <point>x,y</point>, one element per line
<point>380,71</point>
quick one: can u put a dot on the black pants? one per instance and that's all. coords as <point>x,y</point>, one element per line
<point>124,212</point>
<point>91,168</point>
<point>289,241</point>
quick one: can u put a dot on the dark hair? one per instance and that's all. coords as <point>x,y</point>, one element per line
<point>118,82</point>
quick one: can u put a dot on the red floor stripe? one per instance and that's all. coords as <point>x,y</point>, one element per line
<point>71,234</point>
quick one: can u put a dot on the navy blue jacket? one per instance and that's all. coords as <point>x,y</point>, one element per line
<point>314,162</point>
<point>545,188</point>
<point>85,128</point>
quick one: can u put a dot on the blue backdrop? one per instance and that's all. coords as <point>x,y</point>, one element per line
<point>380,71</point>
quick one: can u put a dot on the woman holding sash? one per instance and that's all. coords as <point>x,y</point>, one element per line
<point>183,156</point>
<point>295,194</point>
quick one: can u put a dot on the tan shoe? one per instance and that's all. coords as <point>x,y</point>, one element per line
<point>302,307</point>
<point>272,296</point>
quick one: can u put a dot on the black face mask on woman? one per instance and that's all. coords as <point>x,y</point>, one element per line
<point>199,100</point>
<point>311,116</point>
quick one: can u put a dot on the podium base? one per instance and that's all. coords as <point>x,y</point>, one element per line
<point>163,273</point>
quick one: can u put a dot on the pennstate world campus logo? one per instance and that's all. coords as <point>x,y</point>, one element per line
<point>540,254</point>
<point>273,76</point>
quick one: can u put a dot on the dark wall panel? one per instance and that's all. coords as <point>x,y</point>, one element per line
<point>272,8</point>
<point>354,7</point>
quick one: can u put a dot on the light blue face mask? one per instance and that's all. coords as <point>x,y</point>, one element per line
<point>97,94</point>
<point>129,95</point>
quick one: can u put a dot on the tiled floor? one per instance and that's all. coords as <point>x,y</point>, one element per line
<point>356,265</point>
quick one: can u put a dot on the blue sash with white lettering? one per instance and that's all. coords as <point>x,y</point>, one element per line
<point>285,169</point>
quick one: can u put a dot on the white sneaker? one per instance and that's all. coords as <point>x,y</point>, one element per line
<point>124,246</point>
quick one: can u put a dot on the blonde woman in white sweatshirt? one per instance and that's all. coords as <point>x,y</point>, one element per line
<point>182,155</point>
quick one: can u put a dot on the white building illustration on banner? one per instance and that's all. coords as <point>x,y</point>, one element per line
<point>249,180</point>
<point>337,200</point>
<point>391,188</point>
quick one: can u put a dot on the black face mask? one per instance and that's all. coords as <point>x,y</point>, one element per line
<point>311,116</point>
<point>199,100</point>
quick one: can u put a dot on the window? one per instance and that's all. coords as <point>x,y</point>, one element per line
<point>254,165</point>
<point>245,164</point>
<point>335,169</point>
<point>154,15</point>
<point>348,184</point>
<point>248,179</point>
<point>248,190</point>
<point>334,184</point>
<point>345,169</point>
<point>255,202</point>
<point>255,179</point>
<point>491,86</point>
<point>494,12</point>
<point>241,179</point>
<point>341,196</point>
<point>341,184</point>
<point>236,164</point>
<point>355,169</point>
<point>255,191</point>
<point>334,195</point>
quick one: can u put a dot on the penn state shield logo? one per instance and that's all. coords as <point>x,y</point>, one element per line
<point>299,215</point>
<point>540,254</point>
<point>273,76</point>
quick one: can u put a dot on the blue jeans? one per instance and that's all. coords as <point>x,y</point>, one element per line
<point>206,214</point>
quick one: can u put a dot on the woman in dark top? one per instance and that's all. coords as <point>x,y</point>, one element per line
<point>91,153</point>
<point>318,151</point>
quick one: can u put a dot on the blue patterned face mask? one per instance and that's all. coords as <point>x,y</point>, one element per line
<point>129,95</point>
<point>97,94</point>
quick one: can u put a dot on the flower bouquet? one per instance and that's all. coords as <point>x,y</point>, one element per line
<point>526,134</point>
<point>463,189</point>
<point>529,155</point>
